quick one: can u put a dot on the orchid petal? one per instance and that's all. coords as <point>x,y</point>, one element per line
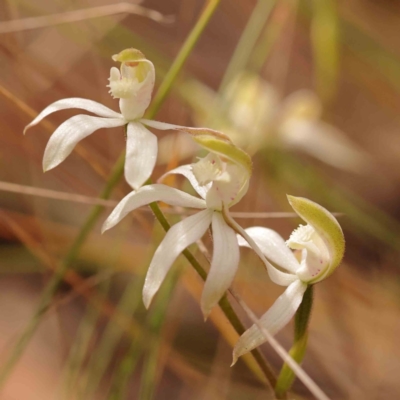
<point>278,277</point>
<point>149,194</point>
<point>326,143</point>
<point>162,126</point>
<point>224,264</point>
<point>186,171</point>
<point>273,247</point>
<point>75,102</point>
<point>141,154</point>
<point>177,239</point>
<point>273,320</point>
<point>69,133</point>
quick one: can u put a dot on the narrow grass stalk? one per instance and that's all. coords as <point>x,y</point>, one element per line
<point>287,376</point>
<point>267,40</point>
<point>116,175</point>
<point>124,372</point>
<point>325,42</point>
<point>247,41</point>
<point>155,322</point>
<point>80,349</point>
<point>182,56</point>
<point>128,304</point>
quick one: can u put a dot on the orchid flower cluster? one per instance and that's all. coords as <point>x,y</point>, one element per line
<point>220,179</point>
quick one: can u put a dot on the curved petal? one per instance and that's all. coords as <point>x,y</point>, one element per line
<point>149,194</point>
<point>69,133</point>
<point>273,247</point>
<point>141,154</point>
<point>278,277</point>
<point>224,264</point>
<point>162,126</point>
<point>180,236</point>
<point>273,320</point>
<point>186,171</point>
<point>75,102</point>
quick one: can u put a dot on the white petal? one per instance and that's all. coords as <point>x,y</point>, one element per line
<point>180,236</point>
<point>327,144</point>
<point>75,102</point>
<point>224,264</point>
<point>273,320</point>
<point>69,133</point>
<point>278,277</point>
<point>141,154</point>
<point>149,194</point>
<point>273,247</point>
<point>162,126</point>
<point>186,171</point>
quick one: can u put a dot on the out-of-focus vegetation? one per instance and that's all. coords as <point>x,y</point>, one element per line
<point>310,88</point>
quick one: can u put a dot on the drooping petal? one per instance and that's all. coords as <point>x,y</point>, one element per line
<point>75,102</point>
<point>278,277</point>
<point>162,126</point>
<point>180,236</point>
<point>273,247</point>
<point>326,143</point>
<point>69,133</point>
<point>273,320</point>
<point>149,194</point>
<point>186,171</point>
<point>141,154</point>
<point>224,263</point>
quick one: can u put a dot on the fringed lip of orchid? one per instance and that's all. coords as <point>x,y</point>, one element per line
<point>328,229</point>
<point>322,245</point>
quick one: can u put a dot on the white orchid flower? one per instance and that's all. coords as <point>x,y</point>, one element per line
<point>322,245</point>
<point>220,179</point>
<point>133,84</point>
<point>254,116</point>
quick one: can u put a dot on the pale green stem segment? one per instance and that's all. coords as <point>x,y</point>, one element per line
<point>181,58</point>
<point>268,38</point>
<point>97,366</point>
<point>286,376</point>
<point>325,41</point>
<point>247,41</point>
<point>115,177</point>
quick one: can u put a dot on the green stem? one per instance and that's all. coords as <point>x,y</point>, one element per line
<point>266,43</point>
<point>224,303</point>
<point>247,41</point>
<point>286,376</point>
<point>181,58</point>
<point>116,175</point>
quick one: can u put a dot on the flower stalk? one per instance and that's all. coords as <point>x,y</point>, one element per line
<point>286,376</point>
